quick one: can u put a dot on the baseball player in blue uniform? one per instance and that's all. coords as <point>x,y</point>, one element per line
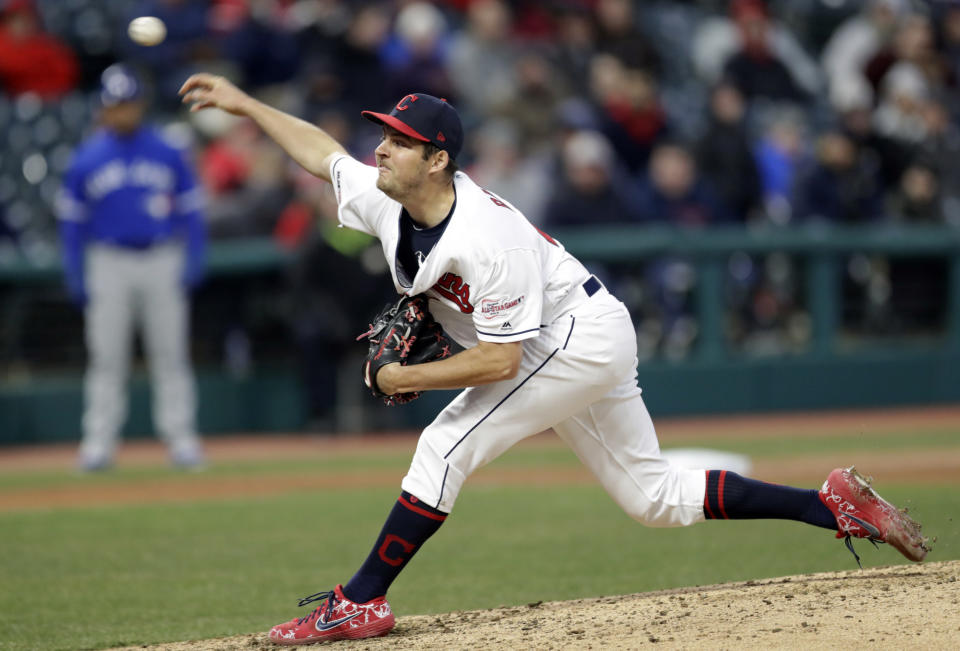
<point>545,345</point>
<point>133,240</point>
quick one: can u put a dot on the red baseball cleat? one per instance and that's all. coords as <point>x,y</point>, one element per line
<point>862,513</point>
<point>337,618</point>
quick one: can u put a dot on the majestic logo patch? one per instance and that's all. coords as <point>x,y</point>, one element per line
<point>452,287</point>
<point>492,308</point>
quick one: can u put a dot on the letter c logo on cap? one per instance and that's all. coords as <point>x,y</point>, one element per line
<point>402,104</point>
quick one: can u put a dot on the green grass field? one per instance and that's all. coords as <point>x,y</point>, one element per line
<point>96,577</point>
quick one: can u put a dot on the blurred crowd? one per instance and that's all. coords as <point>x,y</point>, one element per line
<point>679,113</point>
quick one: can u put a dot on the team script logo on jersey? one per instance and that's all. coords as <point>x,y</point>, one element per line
<point>451,286</point>
<point>141,173</point>
<point>493,308</point>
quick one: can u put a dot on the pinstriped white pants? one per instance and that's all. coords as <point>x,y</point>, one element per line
<point>578,377</point>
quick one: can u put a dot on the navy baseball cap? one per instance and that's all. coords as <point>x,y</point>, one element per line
<point>118,84</point>
<point>425,118</point>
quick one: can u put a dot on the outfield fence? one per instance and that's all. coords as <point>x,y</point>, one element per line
<point>40,387</point>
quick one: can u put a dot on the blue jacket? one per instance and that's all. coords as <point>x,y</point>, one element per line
<point>130,191</point>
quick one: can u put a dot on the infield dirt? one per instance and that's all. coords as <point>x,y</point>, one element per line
<point>895,607</point>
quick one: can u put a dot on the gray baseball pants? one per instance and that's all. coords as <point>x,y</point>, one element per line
<point>131,289</point>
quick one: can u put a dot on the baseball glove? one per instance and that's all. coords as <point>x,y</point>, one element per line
<point>404,332</point>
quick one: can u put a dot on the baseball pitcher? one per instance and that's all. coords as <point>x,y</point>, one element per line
<point>545,345</point>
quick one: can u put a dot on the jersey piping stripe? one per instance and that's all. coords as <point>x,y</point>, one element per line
<point>507,334</point>
<point>497,406</point>
<point>442,485</point>
<point>573,320</point>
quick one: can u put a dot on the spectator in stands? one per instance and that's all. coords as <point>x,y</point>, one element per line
<point>481,61</point>
<point>631,114</point>
<point>918,286</point>
<point>758,304</point>
<point>840,186</point>
<point>133,244</point>
<point>725,156</point>
<point>343,66</point>
<point>916,199</point>
<point>755,69</point>
<point>309,204</point>
<point>501,167</point>
<point>941,148</point>
<point>852,102</point>
<point>513,66</point>
<point>574,43</point>
<point>947,22</point>
<point>674,193</point>
<point>245,177</point>
<point>763,46</point>
<point>780,154</point>
<point>592,190</point>
<point>899,114</point>
<point>618,34</point>
<point>262,38</point>
<point>913,45</point>
<point>31,60</point>
<point>533,106</point>
<point>534,20</point>
<point>416,55</point>
<point>858,39</point>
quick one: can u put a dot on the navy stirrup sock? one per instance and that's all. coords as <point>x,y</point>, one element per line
<point>408,526</point>
<point>732,497</point>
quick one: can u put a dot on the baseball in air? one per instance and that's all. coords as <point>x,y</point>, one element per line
<point>147,30</point>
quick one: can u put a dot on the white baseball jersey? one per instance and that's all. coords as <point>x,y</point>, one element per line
<point>492,276</point>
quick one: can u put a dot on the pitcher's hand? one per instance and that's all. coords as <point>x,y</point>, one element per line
<point>204,90</point>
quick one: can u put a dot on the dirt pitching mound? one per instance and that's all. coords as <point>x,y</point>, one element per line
<point>895,607</point>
